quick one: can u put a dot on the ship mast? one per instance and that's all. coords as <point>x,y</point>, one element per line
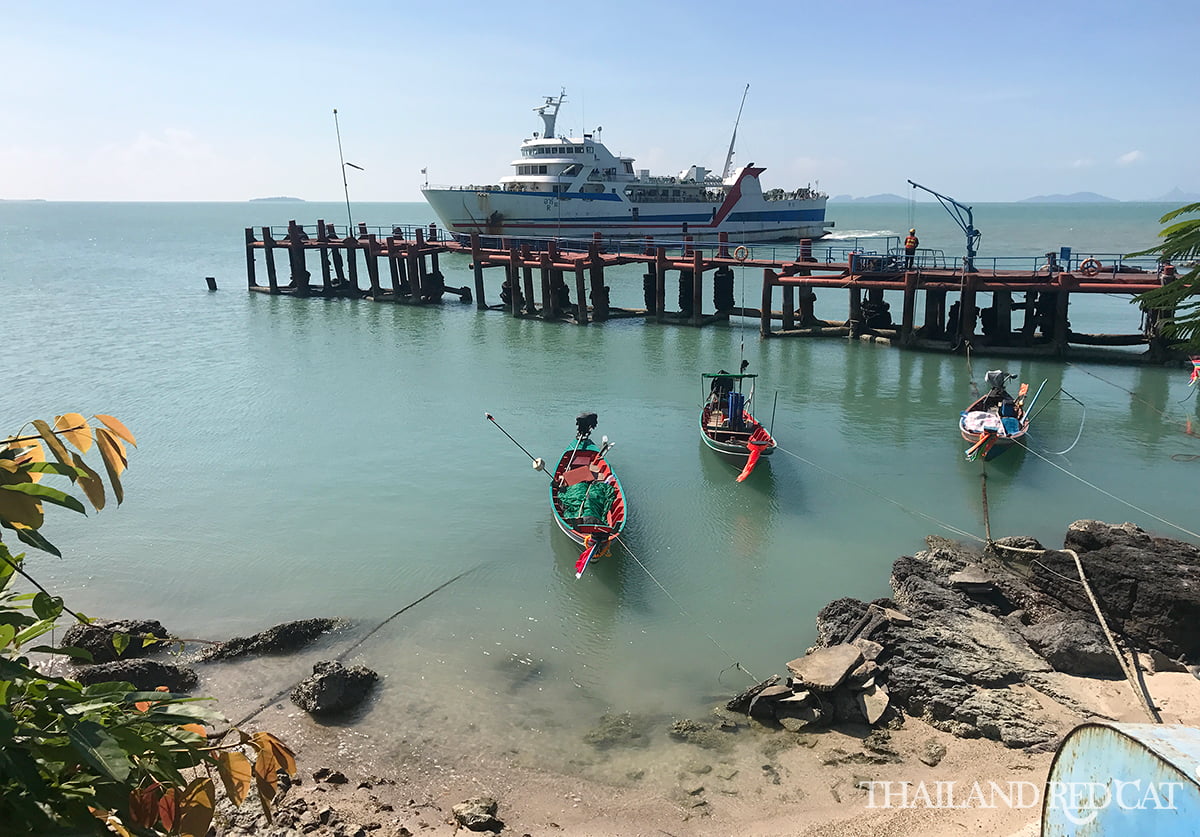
<point>729,157</point>
<point>552,105</point>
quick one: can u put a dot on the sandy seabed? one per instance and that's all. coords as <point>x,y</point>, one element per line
<point>770,782</point>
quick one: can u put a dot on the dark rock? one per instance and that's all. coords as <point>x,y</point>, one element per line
<point>478,814</point>
<point>1074,646</point>
<point>706,736</point>
<point>281,639</point>
<point>145,675</point>
<point>333,688</point>
<point>743,702</point>
<point>1148,587</point>
<point>619,730</point>
<point>97,638</point>
<point>825,668</point>
<point>932,752</point>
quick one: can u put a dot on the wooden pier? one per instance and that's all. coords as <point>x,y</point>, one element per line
<point>548,281</point>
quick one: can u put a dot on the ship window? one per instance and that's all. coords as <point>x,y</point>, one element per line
<point>589,149</point>
<point>628,167</point>
<point>541,170</point>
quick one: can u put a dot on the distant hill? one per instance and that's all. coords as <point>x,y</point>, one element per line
<point>1077,197</point>
<point>1176,195</point>
<point>887,197</point>
<point>280,199</point>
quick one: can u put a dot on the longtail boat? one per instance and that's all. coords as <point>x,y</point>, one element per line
<point>997,420</point>
<point>726,424</point>
<point>586,496</point>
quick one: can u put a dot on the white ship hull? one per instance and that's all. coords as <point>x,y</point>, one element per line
<point>534,215</point>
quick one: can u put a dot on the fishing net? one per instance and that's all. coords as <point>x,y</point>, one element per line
<point>587,500</point>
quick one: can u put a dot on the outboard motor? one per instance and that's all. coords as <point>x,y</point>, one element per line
<point>997,378</point>
<point>585,423</point>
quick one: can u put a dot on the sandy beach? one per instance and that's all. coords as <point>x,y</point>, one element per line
<point>769,782</point>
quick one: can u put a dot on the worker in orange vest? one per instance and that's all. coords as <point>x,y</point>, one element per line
<point>910,248</point>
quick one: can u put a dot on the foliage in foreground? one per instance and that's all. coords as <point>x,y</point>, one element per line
<point>1181,245</point>
<point>105,758</point>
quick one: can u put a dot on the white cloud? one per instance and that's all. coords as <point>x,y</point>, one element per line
<point>1129,158</point>
<point>1082,163</point>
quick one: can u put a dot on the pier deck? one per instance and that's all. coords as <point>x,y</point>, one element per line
<point>546,280</point>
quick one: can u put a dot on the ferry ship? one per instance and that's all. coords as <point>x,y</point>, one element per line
<point>572,187</point>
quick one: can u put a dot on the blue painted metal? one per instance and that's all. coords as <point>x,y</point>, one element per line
<point>1124,779</point>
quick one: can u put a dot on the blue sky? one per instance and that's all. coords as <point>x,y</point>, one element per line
<point>985,101</point>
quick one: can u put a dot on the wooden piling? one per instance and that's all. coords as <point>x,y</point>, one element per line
<point>581,309</point>
<point>420,276</point>
<point>910,308</point>
<point>393,267</point>
<point>212,282</point>
<point>269,252</point>
<point>351,245</point>
<point>660,283</point>
<point>372,254</point>
<point>527,278</point>
<point>549,303</point>
<point>297,260</point>
<point>477,269</point>
<point>323,249</point>
<point>967,313</point>
<point>697,284</point>
<point>764,314</point>
<point>251,281</point>
<point>599,290</point>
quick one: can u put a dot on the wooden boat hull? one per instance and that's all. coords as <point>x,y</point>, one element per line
<point>731,443</point>
<point>570,471</point>
<point>993,442</point>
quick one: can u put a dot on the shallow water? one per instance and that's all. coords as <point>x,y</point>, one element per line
<point>331,458</point>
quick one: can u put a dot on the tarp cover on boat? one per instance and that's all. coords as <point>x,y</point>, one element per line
<point>587,499</point>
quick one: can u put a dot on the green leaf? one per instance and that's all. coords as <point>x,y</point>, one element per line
<point>120,643</point>
<point>34,631</point>
<point>47,606</point>
<point>96,747</point>
<point>7,632</point>
<point>48,494</point>
<point>34,538</point>
<point>65,651</point>
<point>56,468</point>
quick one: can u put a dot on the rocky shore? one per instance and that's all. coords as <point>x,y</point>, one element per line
<point>975,667</point>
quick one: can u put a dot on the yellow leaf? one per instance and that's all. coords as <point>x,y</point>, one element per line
<point>74,428</point>
<point>285,759</point>
<point>16,507</point>
<point>266,792</point>
<point>118,445</point>
<point>111,448</point>
<point>142,706</point>
<point>112,464</point>
<point>56,446</point>
<point>196,728</point>
<point>117,427</point>
<point>196,808</point>
<point>92,485</point>
<point>236,773</point>
<point>8,465</point>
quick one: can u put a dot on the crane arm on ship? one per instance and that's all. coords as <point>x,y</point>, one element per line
<point>962,216</point>
<point>728,170</point>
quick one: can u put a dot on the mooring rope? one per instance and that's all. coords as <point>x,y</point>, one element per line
<point>1135,396</point>
<point>735,662</point>
<point>362,639</point>
<point>1109,494</point>
<point>1139,688</point>
<point>915,512</point>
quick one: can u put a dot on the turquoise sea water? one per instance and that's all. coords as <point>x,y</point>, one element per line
<point>331,458</point>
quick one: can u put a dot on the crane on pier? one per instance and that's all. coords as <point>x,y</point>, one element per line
<point>962,215</point>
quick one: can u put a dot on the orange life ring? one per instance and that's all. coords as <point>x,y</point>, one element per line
<point>740,253</point>
<point>1090,267</point>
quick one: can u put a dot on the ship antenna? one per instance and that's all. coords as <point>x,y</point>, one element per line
<point>553,103</point>
<point>729,157</point>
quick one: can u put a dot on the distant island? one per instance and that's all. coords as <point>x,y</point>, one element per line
<point>1074,197</point>
<point>1176,195</point>
<point>887,197</point>
<point>280,199</point>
